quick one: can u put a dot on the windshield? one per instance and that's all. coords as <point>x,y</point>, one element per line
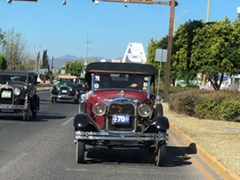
<point>12,78</point>
<point>122,81</point>
<point>62,80</point>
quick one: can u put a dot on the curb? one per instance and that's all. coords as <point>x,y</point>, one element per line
<point>206,157</point>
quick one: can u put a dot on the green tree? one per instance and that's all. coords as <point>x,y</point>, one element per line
<point>74,68</point>
<point>3,62</point>
<point>2,40</point>
<point>216,51</point>
<point>45,60</point>
<point>184,67</point>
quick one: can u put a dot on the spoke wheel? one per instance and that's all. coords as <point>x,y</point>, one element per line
<point>80,152</point>
<point>161,155</point>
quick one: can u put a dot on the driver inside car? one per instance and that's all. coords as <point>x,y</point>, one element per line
<point>106,81</point>
<point>136,81</point>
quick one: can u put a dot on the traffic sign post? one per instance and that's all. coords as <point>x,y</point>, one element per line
<point>160,56</point>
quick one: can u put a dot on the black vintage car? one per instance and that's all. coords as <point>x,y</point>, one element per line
<point>121,110</point>
<point>18,93</point>
<point>65,87</point>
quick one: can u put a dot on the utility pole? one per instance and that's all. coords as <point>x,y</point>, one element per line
<point>87,42</point>
<point>169,50</point>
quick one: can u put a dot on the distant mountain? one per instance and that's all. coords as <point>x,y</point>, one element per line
<point>62,60</point>
<point>68,57</point>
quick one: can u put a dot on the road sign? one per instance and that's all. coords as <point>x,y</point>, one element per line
<point>161,55</point>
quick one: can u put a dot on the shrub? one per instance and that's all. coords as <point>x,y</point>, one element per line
<point>183,102</point>
<point>230,109</point>
<point>207,104</point>
<point>216,105</point>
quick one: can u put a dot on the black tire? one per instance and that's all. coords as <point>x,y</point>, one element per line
<point>161,155</point>
<point>80,152</point>
<point>158,110</point>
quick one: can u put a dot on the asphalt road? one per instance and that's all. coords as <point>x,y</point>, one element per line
<point>43,149</point>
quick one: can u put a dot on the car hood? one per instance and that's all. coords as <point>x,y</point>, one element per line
<point>109,95</point>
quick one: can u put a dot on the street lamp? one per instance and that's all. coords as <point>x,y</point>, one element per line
<point>87,42</point>
<point>207,20</point>
<point>208,11</point>
<point>175,20</point>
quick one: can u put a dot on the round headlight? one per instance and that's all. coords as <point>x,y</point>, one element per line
<point>144,110</point>
<point>17,91</point>
<point>99,109</point>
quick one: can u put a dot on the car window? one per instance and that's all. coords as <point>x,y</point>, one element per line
<point>120,81</point>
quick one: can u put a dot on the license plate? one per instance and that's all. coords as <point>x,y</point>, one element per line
<point>64,91</point>
<point>120,119</point>
<point>6,94</point>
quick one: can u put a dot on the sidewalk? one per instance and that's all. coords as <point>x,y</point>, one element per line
<point>191,129</point>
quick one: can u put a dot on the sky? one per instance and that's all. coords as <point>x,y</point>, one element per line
<point>82,28</point>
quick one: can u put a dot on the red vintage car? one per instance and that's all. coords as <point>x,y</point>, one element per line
<point>120,109</point>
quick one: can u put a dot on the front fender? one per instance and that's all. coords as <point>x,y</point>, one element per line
<point>158,123</point>
<point>84,122</point>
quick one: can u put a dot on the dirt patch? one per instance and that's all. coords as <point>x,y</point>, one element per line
<point>219,138</point>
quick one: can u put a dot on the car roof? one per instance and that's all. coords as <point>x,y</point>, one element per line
<point>128,68</point>
<point>67,77</point>
<point>19,72</point>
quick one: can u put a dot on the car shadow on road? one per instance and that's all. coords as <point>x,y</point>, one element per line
<point>179,156</point>
<point>176,156</point>
<point>46,101</point>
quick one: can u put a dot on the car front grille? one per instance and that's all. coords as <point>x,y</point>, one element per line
<point>64,90</point>
<point>6,96</point>
<point>125,108</point>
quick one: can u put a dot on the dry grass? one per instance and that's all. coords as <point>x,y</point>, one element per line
<point>219,138</point>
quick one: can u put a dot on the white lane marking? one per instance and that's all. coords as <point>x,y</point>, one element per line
<point>66,122</point>
<point>12,162</point>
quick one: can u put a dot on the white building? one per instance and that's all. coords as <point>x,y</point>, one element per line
<point>135,53</point>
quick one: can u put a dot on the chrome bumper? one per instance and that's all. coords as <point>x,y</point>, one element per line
<point>5,108</point>
<point>121,136</point>
<point>61,96</point>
